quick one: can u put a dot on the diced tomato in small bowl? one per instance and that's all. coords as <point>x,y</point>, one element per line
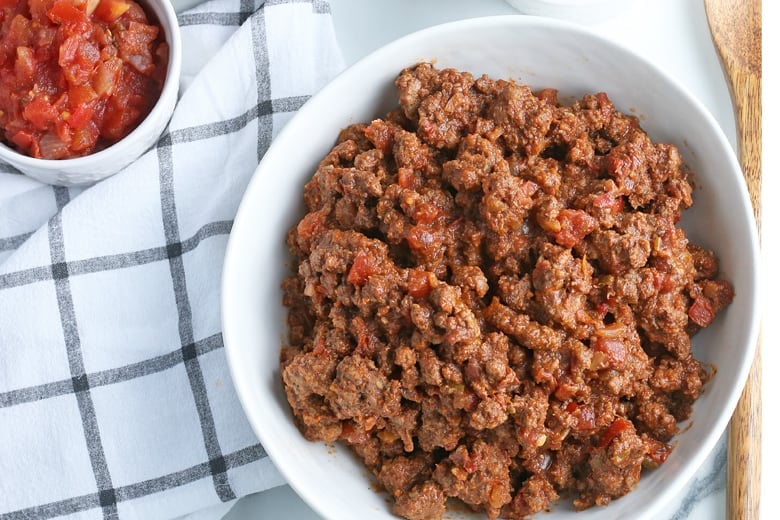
<point>86,86</point>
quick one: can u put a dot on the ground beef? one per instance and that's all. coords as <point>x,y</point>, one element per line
<point>491,300</point>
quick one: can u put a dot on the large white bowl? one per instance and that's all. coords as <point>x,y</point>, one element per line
<point>582,11</point>
<point>542,53</point>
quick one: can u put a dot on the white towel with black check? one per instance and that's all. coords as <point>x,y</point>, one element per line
<point>115,398</point>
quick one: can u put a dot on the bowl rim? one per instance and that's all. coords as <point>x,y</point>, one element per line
<point>170,25</point>
<point>229,278</point>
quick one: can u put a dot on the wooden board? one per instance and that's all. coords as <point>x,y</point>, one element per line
<point>736,32</point>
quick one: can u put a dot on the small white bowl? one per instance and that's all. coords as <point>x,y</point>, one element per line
<point>99,165</point>
<point>559,55</point>
<point>581,11</point>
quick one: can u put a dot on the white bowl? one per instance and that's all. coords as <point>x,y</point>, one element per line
<point>582,11</point>
<point>97,166</point>
<point>542,53</point>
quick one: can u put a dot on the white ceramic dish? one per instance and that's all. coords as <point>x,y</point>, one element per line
<point>97,166</point>
<point>581,11</point>
<point>542,53</point>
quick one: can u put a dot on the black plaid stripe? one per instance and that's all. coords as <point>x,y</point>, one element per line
<point>113,262</point>
<point>246,10</point>
<point>70,332</point>
<point>25,277</point>
<point>248,7</point>
<point>223,19</point>
<point>263,78</point>
<point>110,376</point>
<point>262,110</point>
<point>184,310</point>
<point>13,242</point>
<point>7,168</point>
<point>200,471</point>
<point>317,6</point>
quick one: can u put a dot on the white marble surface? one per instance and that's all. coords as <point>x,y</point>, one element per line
<point>671,33</point>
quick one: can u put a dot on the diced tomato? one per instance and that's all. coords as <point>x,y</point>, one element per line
<point>571,407</point>
<point>406,178</point>
<point>78,58</point>
<point>421,238</point>
<point>160,62</point>
<point>575,224</point>
<point>81,95</point>
<point>116,119</point>
<point>418,284</point>
<point>565,391</point>
<point>24,67</point>
<point>347,430</point>
<point>381,135</point>
<point>40,113</point>
<point>63,132</point>
<point>39,8</point>
<point>44,41</point>
<point>662,282</point>
<point>613,348</point>
<point>701,312</point>
<point>586,418</point>
<point>365,339</point>
<point>90,5</point>
<point>23,139</point>
<point>88,55</point>
<point>109,11</point>
<point>65,12</point>
<point>657,452</point>
<point>61,104</point>
<point>425,213</point>
<point>80,116</point>
<point>310,226</point>
<point>52,147</point>
<point>85,137</point>
<point>549,96</point>
<point>133,44</point>
<point>20,33</point>
<point>107,76</point>
<point>362,268</point>
<point>609,201</point>
<point>320,346</point>
<point>68,50</point>
<point>720,294</point>
<point>617,427</point>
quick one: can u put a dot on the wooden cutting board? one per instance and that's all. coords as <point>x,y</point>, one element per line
<point>736,32</point>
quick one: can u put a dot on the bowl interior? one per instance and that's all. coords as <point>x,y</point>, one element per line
<point>542,53</point>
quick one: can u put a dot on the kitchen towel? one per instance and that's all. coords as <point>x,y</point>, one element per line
<point>115,398</point>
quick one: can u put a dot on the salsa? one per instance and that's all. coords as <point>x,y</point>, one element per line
<point>492,300</point>
<point>76,75</point>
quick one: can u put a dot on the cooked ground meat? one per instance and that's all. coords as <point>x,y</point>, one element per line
<point>492,301</point>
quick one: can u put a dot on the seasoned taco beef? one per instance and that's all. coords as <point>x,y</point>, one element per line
<point>492,301</point>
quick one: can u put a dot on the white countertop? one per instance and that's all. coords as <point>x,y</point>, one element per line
<point>671,33</point>
<point>674,35</point>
